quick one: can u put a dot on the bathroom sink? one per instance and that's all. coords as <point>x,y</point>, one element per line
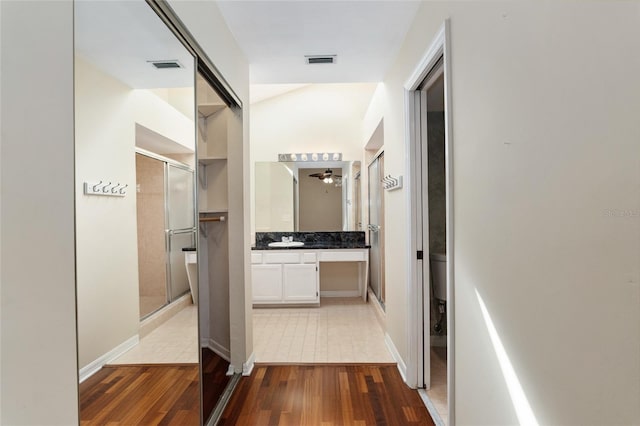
<point>286,244</point>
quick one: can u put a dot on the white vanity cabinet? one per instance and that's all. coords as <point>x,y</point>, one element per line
<point>284,277</point>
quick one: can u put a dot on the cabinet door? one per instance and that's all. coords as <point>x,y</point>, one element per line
<point>267,283</point>
<point>300,283</point>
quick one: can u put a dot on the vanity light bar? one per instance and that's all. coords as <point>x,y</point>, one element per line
<point>311,156</point>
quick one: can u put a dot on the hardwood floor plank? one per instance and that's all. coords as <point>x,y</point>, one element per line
<point>325,395</point>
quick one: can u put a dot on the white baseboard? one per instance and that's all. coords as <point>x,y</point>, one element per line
<point>90,369</point>
<point>247,367</point>
<point>217,348</point>
<point>402,367</point>
<point>340,293</point>
<point>231,370</point>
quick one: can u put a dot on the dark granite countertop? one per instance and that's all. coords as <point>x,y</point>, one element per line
<point>313,240</point>
<point>314,246</point>
<point>189,249</point>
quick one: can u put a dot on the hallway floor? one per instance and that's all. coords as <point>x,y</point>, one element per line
<point>341,330</point>
<point>438,392</point>
<point>325,395</point>
<point>174,342</point>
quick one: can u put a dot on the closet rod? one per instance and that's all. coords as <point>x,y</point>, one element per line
<point>213,219</point>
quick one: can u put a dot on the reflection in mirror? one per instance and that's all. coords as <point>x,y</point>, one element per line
<point>213,244</point>
<point>307,196</point>
<point>135,212</point>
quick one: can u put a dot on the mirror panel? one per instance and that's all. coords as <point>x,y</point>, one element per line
<point>124,105</point>
<point>306,196</point>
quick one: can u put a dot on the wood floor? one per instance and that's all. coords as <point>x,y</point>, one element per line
<point>325,395</point>
<point>159,394</point>
<point>141,395</point>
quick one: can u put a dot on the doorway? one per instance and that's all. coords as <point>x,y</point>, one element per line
<point>434,219</point>
<point>431,230</point>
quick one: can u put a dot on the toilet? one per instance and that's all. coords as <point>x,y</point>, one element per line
<point>438,266</point>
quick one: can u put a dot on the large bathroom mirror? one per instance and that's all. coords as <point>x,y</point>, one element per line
<point>306,196</point>
<point>136,137</point>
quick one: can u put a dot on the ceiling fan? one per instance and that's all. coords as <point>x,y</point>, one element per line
<point>327,176</point>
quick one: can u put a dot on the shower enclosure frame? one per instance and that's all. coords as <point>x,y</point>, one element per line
<point>168,233</point>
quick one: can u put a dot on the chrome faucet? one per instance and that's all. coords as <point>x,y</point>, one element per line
<point>287,239</point>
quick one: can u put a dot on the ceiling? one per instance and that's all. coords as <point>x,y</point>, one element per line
<point>276,35</point>
<point>119,37</point>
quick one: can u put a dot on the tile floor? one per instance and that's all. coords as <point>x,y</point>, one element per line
<point>341,330</point>
<point>174,342</point>
<point>438,391</point>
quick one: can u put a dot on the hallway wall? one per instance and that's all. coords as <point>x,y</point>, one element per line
<point>547,230</point>
<point>37,281</point>
<point>38,303</point>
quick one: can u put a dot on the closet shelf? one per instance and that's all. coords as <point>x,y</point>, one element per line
<point>210,109</point>
<point>210,160</point>
<point>213,211</point>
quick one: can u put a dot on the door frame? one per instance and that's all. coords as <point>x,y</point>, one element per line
<point>417,314</point>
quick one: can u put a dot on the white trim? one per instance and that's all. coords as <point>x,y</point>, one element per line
<point>440,46</point>
<point>231,370</point>
<point>430,57</point>
<point>217,348</point>
<point>449,227</point>
<point>247,367</point>
<point>340,293</point>
<point>90,369</point>
<point>402,367</point>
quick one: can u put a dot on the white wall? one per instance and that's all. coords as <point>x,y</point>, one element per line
<point>547,224</point>
<point>106,233</point>
<point>313,118</point>
<point>107,112</point>
<point>38,303</point>
<point>37,315</point>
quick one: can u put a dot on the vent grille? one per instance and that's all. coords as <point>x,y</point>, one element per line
<point>163,65</point>
<point>321,59</point>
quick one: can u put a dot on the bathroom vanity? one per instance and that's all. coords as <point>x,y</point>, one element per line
<point>289,274</point>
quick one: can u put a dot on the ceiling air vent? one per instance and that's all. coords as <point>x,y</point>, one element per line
<point>321,59</point>
<point>163,65</point>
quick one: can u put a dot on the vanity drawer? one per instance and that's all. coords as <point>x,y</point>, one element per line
<point>309,258</point>
<point>282,258</point>
<point>256,258</point>
<point>342,256</point>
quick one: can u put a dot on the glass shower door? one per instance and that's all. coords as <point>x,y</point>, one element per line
<point>376,235</point>
<point>180,226</point>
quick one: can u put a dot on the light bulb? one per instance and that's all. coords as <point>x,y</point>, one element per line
<point>303,157</point>
<point>294,157</point>
<point>336,156</point>
<point>325,156</point>
<point>314,156</point>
